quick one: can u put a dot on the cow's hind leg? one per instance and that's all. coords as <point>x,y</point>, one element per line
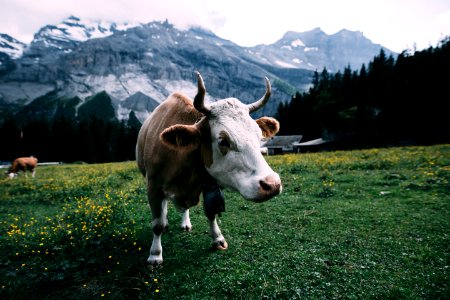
<point>218,241</point>
<point>159,225</point>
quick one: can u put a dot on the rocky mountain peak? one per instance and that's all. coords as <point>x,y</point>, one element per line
<point>11,46</point>
<point>73,31</point>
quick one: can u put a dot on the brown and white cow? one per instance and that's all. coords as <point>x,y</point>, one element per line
<point>23,164</point>
<point>186,144</point>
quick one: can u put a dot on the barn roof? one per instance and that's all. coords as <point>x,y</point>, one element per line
<point>283,141</point>
<point>311,143</point>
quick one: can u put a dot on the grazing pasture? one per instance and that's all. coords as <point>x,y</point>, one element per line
<point>351,224</point>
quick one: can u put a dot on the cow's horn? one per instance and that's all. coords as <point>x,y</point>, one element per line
<point>252,107</point>
<point>199,100</point>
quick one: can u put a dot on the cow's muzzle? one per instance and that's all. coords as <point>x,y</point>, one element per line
<point>269,187</point>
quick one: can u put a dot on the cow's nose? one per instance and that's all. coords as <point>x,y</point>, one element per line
<point>271,185</point>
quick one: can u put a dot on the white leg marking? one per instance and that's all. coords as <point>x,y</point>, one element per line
<point>186,221</point>
<point>155,257</point>
<point>164,213</point>
<point>32,174</point>
<point>218,241</point>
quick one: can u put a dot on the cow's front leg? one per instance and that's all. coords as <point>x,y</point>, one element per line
<point>214,203</point>
<point>185,220</point>
<point>159,225</point>
<point>218,241</point>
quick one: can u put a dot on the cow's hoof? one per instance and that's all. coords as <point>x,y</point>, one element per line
<point>220,245</point>
<point>155,260</point>
<point>186,228</point>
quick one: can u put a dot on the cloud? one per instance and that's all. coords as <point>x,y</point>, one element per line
<point>394,24</point>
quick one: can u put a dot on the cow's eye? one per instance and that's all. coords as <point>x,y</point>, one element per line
<point>224,142</point>
<point>224,145</point>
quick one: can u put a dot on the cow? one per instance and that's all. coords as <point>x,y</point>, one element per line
<point>185,146</point>
<point>22,164</point>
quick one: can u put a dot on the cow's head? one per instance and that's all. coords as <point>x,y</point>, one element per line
<point>10,173</point>
<point>230,142</point>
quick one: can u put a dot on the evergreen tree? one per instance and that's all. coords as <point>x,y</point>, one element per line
<point>389,102</point>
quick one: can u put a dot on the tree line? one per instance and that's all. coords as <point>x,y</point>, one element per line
<point>389,102</point>
<point>92,140</point>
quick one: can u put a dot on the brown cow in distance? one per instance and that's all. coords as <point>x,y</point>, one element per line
<point>23,164</point>
<point>188,147</point>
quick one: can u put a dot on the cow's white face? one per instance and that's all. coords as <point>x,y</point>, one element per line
<point>237,162</point>
<point>230,141</point>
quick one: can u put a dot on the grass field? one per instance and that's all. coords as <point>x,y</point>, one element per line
<point>369,224</point>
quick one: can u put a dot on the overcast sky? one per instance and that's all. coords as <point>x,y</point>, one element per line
<point>395,24</point>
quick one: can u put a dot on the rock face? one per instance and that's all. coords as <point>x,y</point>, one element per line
<point>137,66</point>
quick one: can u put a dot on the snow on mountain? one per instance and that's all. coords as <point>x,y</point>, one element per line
<point>11,46</point>
<point>297,43</point>
<point>73,31</point>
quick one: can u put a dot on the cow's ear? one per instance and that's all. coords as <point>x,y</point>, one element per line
<point>269,126</point>
<point>181,137</point>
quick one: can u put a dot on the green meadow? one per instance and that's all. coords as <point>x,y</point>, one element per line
<point>364,224</point>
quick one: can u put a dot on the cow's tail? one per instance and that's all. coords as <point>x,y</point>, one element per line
<point>140,161</point>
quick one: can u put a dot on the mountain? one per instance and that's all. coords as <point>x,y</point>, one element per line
<point>131,68</point>
<point>314,50</point>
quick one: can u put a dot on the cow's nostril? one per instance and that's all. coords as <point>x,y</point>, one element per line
<point>265,186</point>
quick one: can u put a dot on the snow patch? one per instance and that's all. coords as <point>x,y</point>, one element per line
<point>309,49</point>
<point>198,37</point>
<point>284,64</point>
<point>297,61</point>
<point>298,43</point>
<point>286,47</point>
<point>126,26</point>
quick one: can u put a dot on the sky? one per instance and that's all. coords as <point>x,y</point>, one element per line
<point>395,24</point>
